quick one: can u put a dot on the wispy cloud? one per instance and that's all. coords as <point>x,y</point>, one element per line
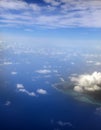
<point>52,14</point>
<point>7,103</point>
<point>27,92</point>
<point>61,123</point>
<point>7,63</point>
<point>98,111</point>
<point>43,71</point>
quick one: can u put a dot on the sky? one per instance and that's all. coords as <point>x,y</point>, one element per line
<point>48,21</point>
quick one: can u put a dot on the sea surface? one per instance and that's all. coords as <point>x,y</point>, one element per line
<point>39,68</point>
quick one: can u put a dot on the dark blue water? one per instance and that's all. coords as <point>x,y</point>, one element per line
<point>51,111</point>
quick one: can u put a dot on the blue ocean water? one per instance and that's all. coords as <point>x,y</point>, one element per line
<point>40,68</point>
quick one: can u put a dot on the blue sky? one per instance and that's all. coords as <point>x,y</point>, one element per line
<point>51,20</point>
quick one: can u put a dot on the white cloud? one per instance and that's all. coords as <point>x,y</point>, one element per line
<point>13,4</point>
<point>61,124</point>
<point>35,7</point>
<point>7,63</point>
<point>41,91</point>
<point>53,2</point>
<point>98,63</point>
<point>89,61</point>
<point>27,92</point>
<point>21,88</point>
<point>87,82</point>
<point>13,73</point>
<point>62,79</point>
<point>53,14</point>
<point>44,71</point>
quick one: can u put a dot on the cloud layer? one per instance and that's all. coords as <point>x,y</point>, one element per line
<point>87,82</point>
<point>51,14</point>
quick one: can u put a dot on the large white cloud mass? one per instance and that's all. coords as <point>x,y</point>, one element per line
<point>87,82</point>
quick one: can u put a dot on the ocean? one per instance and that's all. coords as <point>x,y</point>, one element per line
<point>28,99</point>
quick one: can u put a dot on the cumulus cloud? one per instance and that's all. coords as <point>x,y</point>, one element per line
<point>53,13</point>
<point>44,71</point>
<point>87,82</point>
<point>21,88</point>
<point>41,91</point>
